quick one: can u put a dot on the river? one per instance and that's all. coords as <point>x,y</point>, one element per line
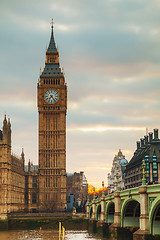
<point>46,235</point>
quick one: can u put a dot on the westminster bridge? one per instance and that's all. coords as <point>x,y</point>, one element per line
<point>136,208</point>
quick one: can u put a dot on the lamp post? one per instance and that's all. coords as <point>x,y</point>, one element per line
<point>117,176</point>
<point>102,188</point>
<point>143,169</point>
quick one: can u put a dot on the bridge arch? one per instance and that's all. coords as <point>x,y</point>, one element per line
<point>154,217</point>
<point>109,212</point>
<point>90,212</point>
<point>98,212</point>
<point>130,213</point>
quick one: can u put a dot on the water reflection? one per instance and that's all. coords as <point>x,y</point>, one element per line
<point>45,235</point>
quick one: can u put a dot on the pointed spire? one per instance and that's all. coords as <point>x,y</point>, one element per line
<point>52,67</point>
<point>5,120</point>
<point>9,123</point>
<point>22,154</point>
<point>29,165</point>
<point>52,25</point>
<point>52,45</point>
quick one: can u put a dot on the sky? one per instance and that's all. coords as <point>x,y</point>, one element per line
<point>109,50</point>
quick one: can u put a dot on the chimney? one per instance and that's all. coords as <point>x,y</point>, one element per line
<point>155,134</point>
<point>138,145</point>
<point>150,137</point>
<point>146,140</point>
<point>142,142</point>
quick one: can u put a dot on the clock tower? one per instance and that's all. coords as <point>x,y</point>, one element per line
<point>52,107</point>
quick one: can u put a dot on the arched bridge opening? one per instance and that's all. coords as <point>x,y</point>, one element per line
<point>156,221</point>
<point>110,213</point>
<point>131,214</point>
<point>98,215</point>
<point>90,213</point>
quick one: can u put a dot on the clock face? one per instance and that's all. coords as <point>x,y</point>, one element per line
<point>51,96</point>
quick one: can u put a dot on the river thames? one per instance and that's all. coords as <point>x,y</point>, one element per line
<point>46,235</point>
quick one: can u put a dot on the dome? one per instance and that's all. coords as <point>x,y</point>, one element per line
<point>123,162</point>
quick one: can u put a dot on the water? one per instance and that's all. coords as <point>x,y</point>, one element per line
<point>45,235</point>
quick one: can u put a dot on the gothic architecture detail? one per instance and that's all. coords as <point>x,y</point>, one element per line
<point>117,171</point>
<point>12,176</point>
<point>52,107</point>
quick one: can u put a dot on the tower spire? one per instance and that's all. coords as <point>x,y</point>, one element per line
<point>52,45</point>
<point>52,23</point>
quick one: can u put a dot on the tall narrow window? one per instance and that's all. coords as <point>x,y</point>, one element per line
<point>155,168</point>
<point>146,158</point>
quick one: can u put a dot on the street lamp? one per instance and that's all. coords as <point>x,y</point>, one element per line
<point>117,176</point>
<point>143,168</point>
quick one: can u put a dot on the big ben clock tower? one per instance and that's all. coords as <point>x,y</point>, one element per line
<point>52,107</point>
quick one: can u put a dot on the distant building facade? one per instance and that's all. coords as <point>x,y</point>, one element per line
<point>148,148</point>
<point>118,168</point>
<point>77,189</point>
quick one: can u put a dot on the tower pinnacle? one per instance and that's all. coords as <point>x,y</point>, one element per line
<point>52,23</point>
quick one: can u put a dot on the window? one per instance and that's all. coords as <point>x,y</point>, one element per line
<point>26,198</point>
<point>155,168</point>
<point>34,182</point>
<point>34,198</point>
<point>147,168</point>
<point>26,181</point>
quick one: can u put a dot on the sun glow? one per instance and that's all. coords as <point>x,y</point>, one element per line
<point>92,189</point>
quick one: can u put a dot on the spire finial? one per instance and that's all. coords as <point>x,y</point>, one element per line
<point>52,24</point>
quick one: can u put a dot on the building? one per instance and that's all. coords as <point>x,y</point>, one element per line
<point>39,187</point>
<point>148,148</point>
<point>118,169</point>
<point>52,107</point>
<point>77,189</point>
<point>12,176</point>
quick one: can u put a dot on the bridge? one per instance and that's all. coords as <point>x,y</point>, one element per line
<point>137,208</point>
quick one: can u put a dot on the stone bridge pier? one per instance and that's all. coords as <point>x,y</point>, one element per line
<point>143,231</point>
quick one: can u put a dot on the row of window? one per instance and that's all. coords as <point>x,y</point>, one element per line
<point>51,108</point>
<point>51,81</point>
<point>51,181</point>
<point>135,178</point>
<point>134,185</point>
<point>51,172</point>
<point>34,198</point>
<point>52,60</point>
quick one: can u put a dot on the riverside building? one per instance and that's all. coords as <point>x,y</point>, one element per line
<point>148,148</point>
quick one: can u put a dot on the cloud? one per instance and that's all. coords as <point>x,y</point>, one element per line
<point>110,53</point>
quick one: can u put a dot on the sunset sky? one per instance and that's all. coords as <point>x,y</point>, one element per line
<point>110,52</point>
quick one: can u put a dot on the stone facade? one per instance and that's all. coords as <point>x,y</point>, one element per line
<point>118,168</point>
<point>12,176</point>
